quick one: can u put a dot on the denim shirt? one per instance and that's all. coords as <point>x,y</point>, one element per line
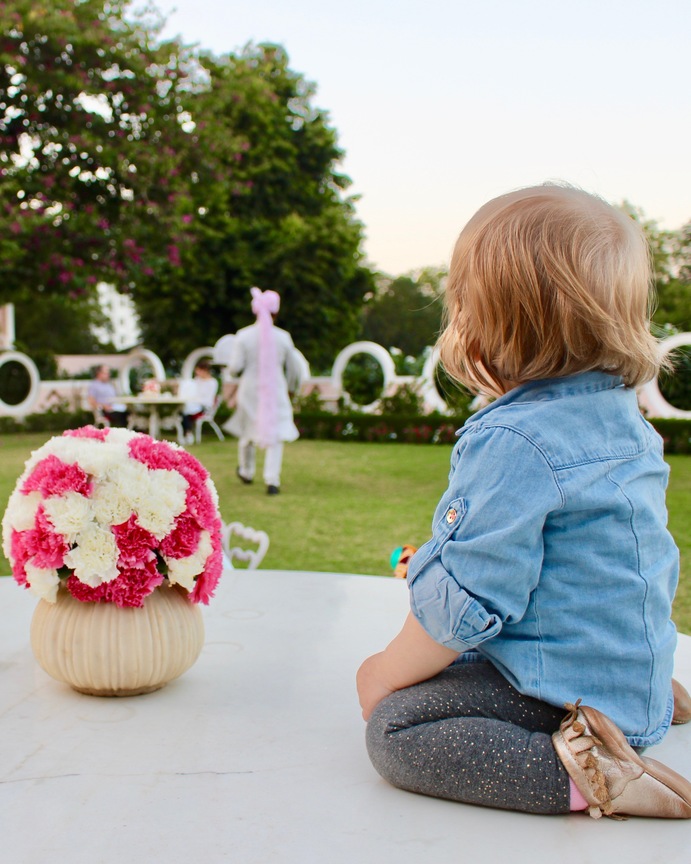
<point>550,555</point>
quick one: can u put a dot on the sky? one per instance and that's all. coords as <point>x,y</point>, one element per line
<point>441,105</point>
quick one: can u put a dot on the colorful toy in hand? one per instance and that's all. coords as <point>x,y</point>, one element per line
<point>400,558</point>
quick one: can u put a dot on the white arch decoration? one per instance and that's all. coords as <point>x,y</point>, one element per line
<point>650,397</point>
<point>428,388</point>
<point>194,357</point>
<point>381,355</point>
<point>136,356</point>
<point>223,350</point>
<point>24,407</point>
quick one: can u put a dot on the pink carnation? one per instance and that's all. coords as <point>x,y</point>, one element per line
<point>200,505</point>
<point>52,476</point>
<point>130,588</point>
<point>191,467</point>
<point>87,432</point>
<point>46,548</point>
<point>198,500</point>
<point>136,545</point>
<point>207,580</point>
<point>154,454</point>
<point>85,593</point>
<point>183,540</point>
<point>19,554</point>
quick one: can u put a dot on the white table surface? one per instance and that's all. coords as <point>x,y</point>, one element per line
<point>151,402</point>
<point>256,754</point>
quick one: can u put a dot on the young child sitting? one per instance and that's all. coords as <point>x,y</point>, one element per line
<point>201,392</point>
<point>549,578</point>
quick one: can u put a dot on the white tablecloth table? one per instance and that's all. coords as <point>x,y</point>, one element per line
<point>151,404</point>
<point>256,754</point>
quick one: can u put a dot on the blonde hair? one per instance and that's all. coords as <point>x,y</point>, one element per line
<point>546,282</point>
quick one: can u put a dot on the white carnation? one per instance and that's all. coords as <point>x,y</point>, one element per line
<point>69,514</point>
<point>117,491</point>
<point>160,500</point>
<point>22,509</point>
<point>43,583</point>
<point>122,437</point>
<point>95,556</point>
<point>20,516</point>
<point>94,456</point>
<point>183,570</point>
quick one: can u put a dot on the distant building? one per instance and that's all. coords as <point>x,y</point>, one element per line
<point>123,328</point>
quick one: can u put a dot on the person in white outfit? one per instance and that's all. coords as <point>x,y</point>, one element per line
<point>267,362</point>
<point>201,392</point>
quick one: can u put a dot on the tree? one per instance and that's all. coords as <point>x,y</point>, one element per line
<point>682,252</point>
<point>674,293</point>
<point>405,312</point>
<point>180,179</point>
<point>671,256</point>
<point>90,131</point>
<point>266,207</point>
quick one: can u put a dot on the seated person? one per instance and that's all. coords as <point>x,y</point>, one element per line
<point>102,398</point>
<point>201,392</point>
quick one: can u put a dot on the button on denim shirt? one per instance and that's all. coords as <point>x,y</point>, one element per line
<point>550,555</point>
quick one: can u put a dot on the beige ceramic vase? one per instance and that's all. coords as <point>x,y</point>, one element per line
<point>105,650</point>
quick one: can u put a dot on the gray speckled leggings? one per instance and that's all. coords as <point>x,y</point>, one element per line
<point>469,736</point>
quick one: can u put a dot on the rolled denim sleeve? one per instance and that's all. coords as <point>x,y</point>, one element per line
<point>484,559</point>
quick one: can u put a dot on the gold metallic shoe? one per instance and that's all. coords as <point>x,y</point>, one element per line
<point>611,776</point>
<point>682,704</point>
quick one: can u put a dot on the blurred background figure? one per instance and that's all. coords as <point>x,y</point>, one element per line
<point>267,362</point>
<point>201,392</point>
<point>102,397</point>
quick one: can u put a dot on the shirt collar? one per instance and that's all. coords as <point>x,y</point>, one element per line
<point>553,388</point>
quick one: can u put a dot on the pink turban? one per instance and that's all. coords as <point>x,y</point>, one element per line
<point>264,305</point>
<point>265,302</point>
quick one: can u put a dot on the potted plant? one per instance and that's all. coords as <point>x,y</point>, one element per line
<point>118,534</point>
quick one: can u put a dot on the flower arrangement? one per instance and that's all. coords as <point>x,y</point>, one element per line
<point>151,386</point>
<point>112,514</point>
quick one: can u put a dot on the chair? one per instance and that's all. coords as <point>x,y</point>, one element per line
<point>253,557</point>
<point>142,423</point>
<point>100,418</point>
<point>174,422</point>
<point>209,416</point>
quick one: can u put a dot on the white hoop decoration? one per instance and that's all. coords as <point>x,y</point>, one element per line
<point>381,355</point>
<point>193,358</point>
<point>223,349</point>
<point>650,396</point>
<point>21,408</point>
<point>135,356</point>
<point>222,352</point>
<point>428,389</point>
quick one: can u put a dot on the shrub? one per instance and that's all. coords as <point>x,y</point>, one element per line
<point>676,387</point>
<point>406,400</point>
<point>676,433</point>
<point>429,428</point>
<point>363,379</point>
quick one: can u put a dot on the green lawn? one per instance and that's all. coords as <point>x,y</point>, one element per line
<point>345,506</point>
<point>679,505</point>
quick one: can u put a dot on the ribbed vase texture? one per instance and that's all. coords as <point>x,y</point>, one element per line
<point>105,650</point>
